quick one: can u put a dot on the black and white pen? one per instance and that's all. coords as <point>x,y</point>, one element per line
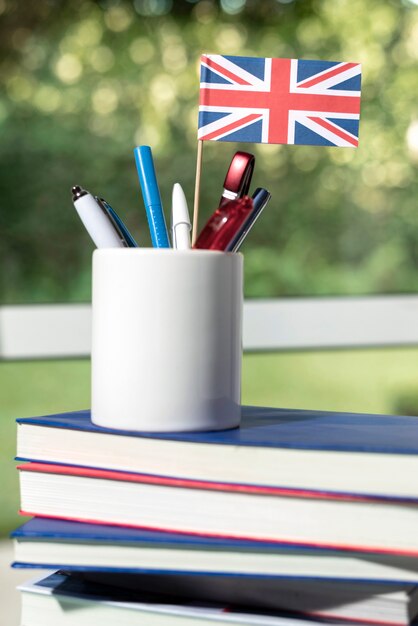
<point>260,199</point>
<point>102,224</point>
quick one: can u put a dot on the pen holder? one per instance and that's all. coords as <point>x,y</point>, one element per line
<point>166,350</point>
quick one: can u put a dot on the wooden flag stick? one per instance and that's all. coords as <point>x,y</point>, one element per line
<point>197,190</point>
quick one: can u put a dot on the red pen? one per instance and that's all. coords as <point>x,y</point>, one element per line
<point>234,207</point>
<point>223,225</point>
<point>238,177</point>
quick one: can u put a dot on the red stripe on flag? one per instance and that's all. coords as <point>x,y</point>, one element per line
<point>326,75</point>
<point>215,66</point>
<point>234,125</point>
<point>334,129</point>
<point>279,100</point>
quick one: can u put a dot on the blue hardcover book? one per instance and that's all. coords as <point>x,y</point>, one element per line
<point>74,546</point>
<point>373,455</point>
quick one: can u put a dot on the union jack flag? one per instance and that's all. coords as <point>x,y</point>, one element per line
<point>279,101</point>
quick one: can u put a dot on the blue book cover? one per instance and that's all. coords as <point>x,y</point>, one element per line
<point>54,529</point>
<point>280,428</point>
<point>44,529</point>
<point>315,451</point>
<point>383,568</point>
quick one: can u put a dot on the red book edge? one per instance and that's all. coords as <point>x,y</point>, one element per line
<point>68,470</point>
<point>186,483</point>
<point>253,539</point>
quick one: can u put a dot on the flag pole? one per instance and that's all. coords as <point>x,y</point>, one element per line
<point>197,190</point>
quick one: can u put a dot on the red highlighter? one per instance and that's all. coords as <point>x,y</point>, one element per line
<point>224,224</point>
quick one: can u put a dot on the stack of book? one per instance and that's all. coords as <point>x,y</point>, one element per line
<point>298,517</point>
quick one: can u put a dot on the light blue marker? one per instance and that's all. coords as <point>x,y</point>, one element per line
<point>151,196</point>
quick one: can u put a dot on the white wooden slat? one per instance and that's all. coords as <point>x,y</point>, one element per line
<point>339,322</point>
<point>64,330</point>
<point>45,331</point>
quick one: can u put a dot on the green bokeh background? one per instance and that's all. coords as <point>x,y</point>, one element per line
<point>85,81</point>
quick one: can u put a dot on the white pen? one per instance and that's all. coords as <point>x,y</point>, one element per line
<point>95,220</point>
<point>180,220</point>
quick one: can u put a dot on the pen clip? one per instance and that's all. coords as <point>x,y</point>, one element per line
<point>238,177</point>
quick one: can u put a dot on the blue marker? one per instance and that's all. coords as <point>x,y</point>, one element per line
<point>151,196</point>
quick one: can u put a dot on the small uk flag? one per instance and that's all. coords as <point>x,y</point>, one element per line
<point>286,101</point>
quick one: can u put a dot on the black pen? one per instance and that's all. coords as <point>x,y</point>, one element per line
<point>260,200</point>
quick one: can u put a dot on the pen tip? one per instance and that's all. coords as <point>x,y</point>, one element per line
<point>77,192</point>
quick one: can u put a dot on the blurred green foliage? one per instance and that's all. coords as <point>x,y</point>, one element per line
<point>85,81</point>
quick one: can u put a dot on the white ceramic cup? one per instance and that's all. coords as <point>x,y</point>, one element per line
<point>167,347</point>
